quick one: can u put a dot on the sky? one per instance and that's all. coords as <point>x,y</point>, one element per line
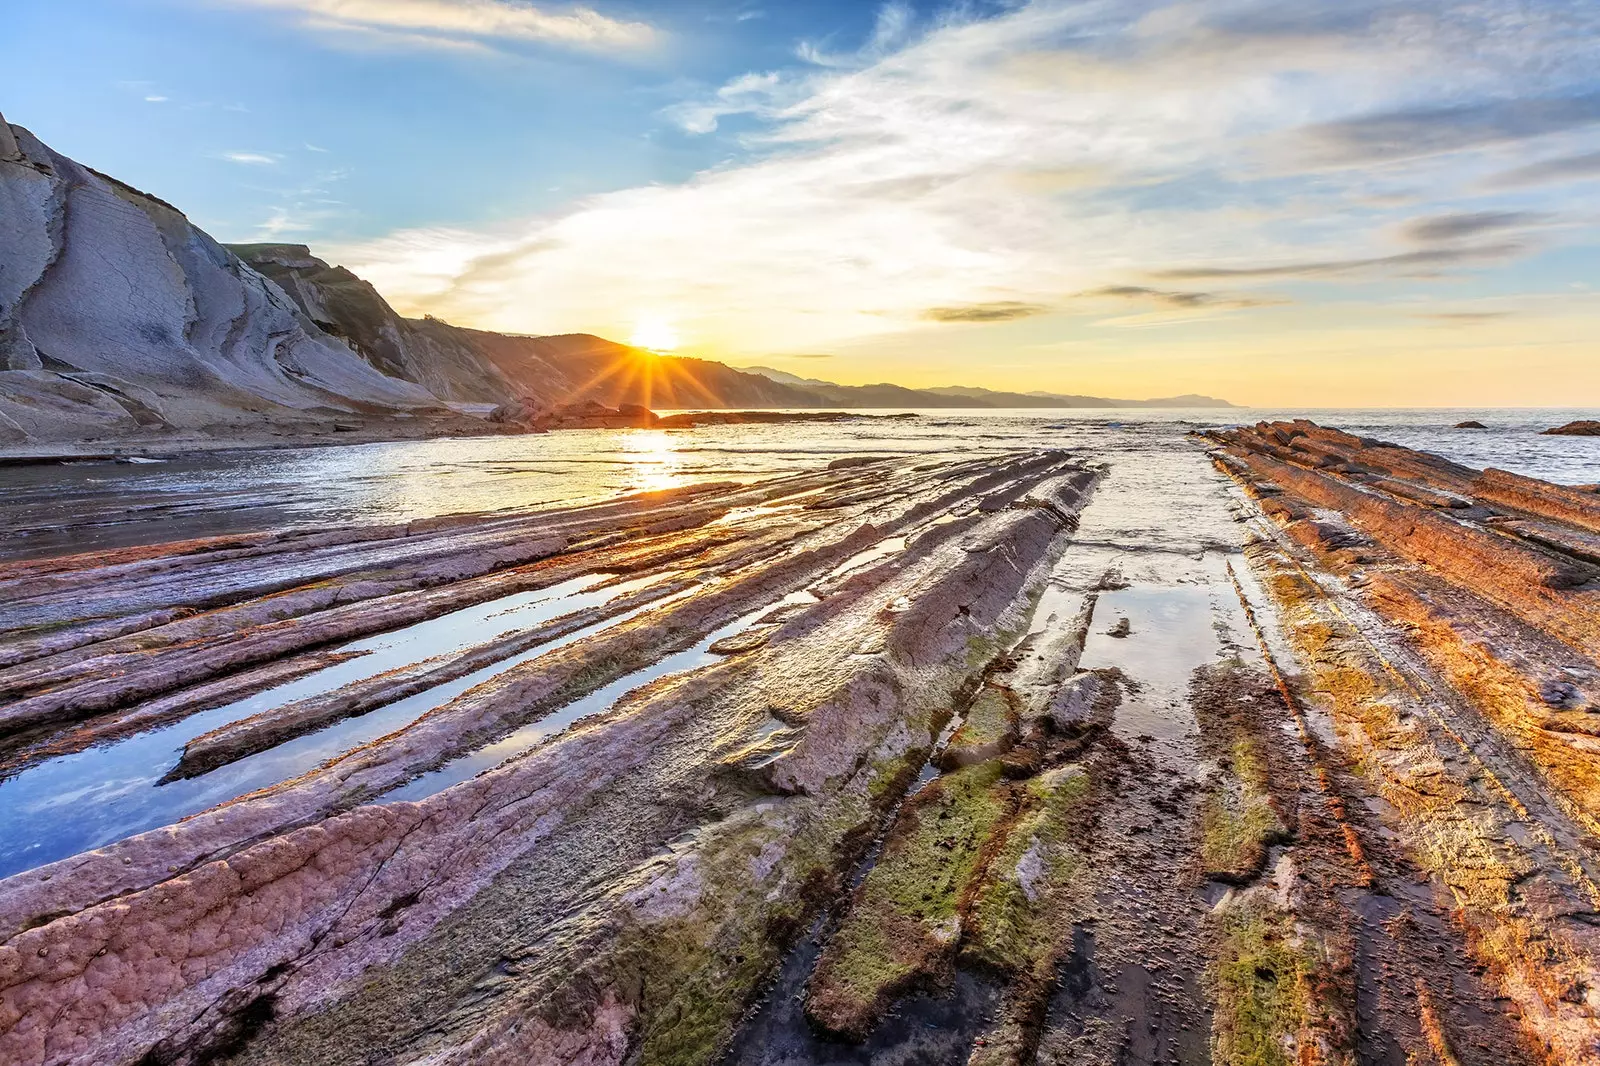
<point>1323,203</point>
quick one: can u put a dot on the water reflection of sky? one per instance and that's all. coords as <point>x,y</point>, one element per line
<point>112,504</point>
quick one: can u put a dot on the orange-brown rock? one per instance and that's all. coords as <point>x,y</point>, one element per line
<point>1539,578</point>
<point>1580,428</point>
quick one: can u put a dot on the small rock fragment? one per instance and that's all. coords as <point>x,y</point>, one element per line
<point>1561,694</point>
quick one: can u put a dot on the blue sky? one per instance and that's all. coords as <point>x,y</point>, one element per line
<point>401,129</point>
<point>1361,201</point>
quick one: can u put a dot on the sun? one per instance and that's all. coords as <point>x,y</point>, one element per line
<point>654,334</point>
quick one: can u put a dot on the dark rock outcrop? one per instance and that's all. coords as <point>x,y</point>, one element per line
<point>533,417</point>
<point>690,420</point>
<point>1471,424</point>
<point>1580,428</point>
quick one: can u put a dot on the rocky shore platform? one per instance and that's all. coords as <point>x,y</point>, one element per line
<point>507,419</point>
<point>1276,748</point>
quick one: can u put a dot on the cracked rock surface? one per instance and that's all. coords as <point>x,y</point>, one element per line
<point>1280,754</point>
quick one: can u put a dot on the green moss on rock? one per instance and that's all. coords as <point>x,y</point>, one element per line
<point>1018,919</point>
<point>990,728</point>
<point>1238,821</point>
<point>1264,980</point>
<point>905,919</point>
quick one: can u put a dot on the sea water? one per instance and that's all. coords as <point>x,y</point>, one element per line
<point>53,509</point>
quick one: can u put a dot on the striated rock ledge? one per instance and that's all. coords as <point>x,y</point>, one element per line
<point>290,893</point>
<point>1473,712</point>
<point>939,760</point>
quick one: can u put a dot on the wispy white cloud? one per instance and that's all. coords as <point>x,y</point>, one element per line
<point>754,93</point>
<point>155,99</point>
<point>252,159</point>
<point>304,208</point>
<point>892,29</point>
<point>462,24</point>
<point>281,222</point>
<point>1058,149</point>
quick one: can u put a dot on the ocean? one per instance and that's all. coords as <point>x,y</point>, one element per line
<point>63,508</point>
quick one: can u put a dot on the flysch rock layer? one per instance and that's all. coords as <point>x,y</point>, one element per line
<point>1287,759</point>
<point>1451,641</point>
<point>180,939</point>
<point>118,315</point>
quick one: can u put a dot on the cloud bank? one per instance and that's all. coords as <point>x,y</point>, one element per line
<point>998,170</point>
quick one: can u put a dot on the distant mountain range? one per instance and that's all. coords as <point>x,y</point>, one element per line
<point>118,317</point>
<point>887,395</point>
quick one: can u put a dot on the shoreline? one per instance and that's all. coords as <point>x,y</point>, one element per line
<point>168,446</point>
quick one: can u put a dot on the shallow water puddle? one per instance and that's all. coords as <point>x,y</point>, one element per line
<point>86,800</point>
<point>884,549</point>
<point>1172,630</point>
<point>524,739</point>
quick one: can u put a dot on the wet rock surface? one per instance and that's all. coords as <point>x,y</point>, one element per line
<point>1451,650</point>
<point>1283,755</point>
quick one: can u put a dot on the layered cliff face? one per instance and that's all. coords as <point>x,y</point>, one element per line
<point>457,363</point>
<point>117,314</point>
<point>428,352</point>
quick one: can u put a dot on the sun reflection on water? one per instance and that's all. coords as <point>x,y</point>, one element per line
<point>653,459</point>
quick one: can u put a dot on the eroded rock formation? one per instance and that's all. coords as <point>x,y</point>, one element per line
<point>117,315</point>
<point>904,759</point>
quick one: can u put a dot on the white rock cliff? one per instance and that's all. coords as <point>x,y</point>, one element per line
<point>117,314</point>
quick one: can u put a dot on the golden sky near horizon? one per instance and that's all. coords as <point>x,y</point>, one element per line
<point>1362,202</point>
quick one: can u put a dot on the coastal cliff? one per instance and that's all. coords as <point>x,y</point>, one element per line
<point>122,323</point>
<point>118,315</point>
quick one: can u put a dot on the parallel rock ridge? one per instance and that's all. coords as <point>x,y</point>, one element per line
<point>872,596</point>
<point>1476,714</point>
<point>931,759</point>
